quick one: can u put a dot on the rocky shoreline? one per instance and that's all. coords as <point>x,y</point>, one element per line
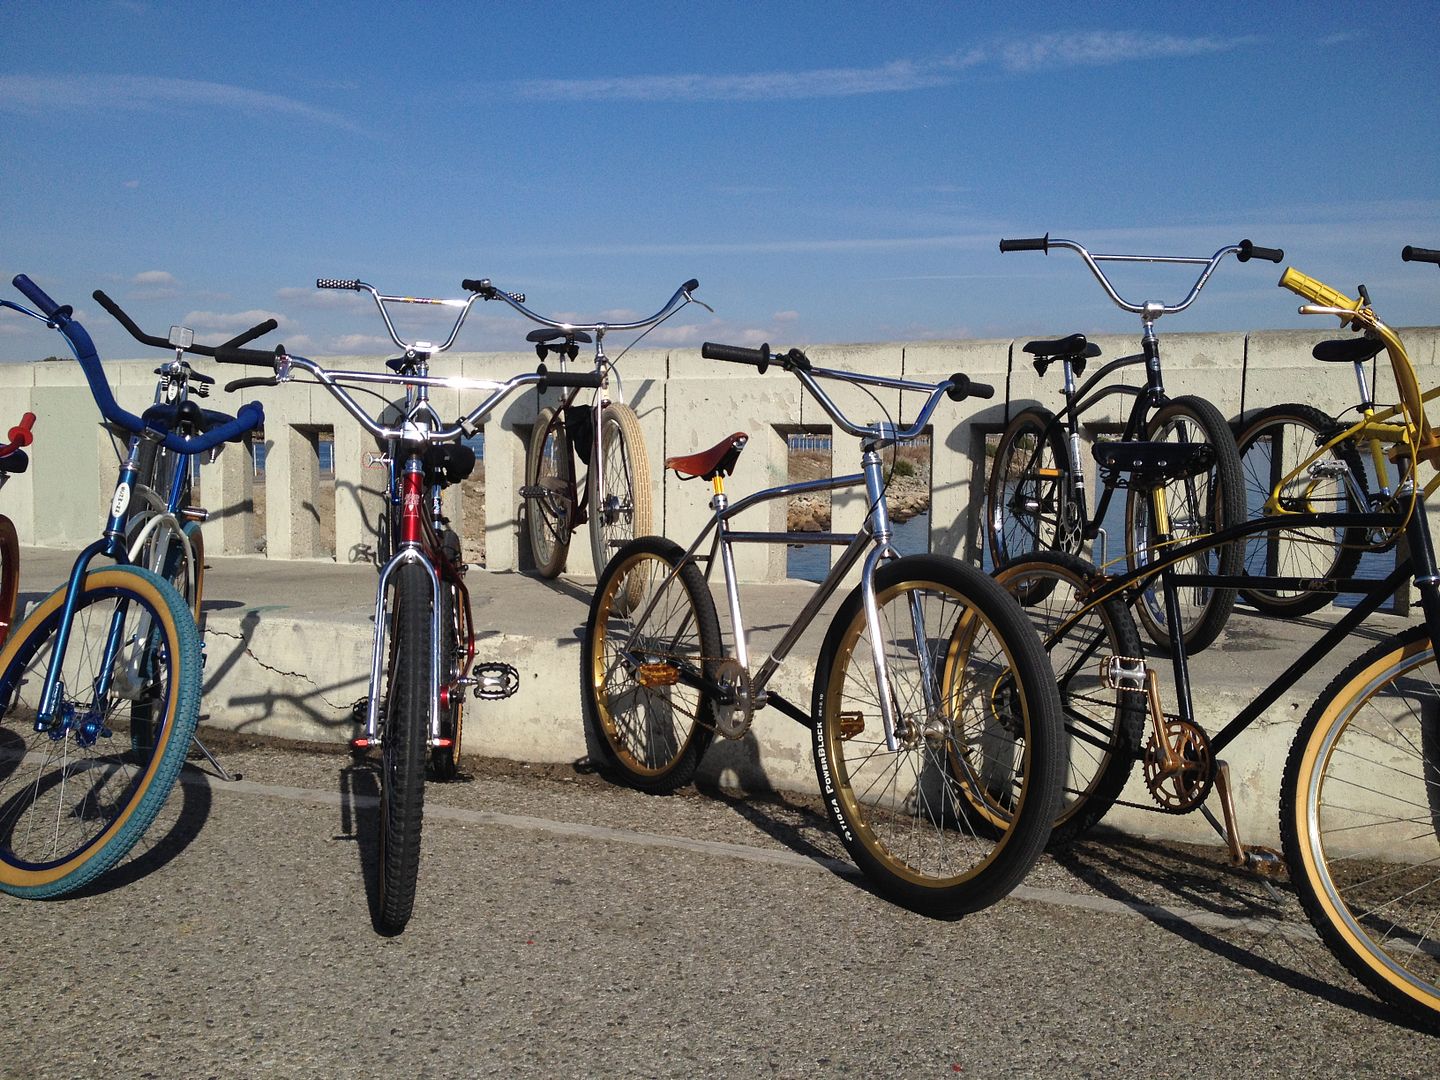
<point>905,498</point>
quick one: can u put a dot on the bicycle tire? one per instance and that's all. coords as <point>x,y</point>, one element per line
<point>626,510</point>
<point>444,759</point>
<point>404,746</point>
<point>1365,873</point>
<point>1028,507</point>
<point>1198,506</point>
<point>1271,444</point>
<point>953,819</point>
<point>549,468</point>
<point>647,706</point>
<point>9,575</point>
<point>53,839</point>
<point>1104,727</point>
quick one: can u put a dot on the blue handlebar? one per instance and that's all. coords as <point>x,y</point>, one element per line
<point>250,416</point>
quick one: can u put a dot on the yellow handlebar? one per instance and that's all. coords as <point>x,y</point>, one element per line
<point>1424,442</point>
<point>1315,291</point>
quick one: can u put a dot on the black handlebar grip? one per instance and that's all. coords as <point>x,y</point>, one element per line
<point>962,386</point>
<point>253,357</point>
<point>1030,243</point>
<point>472,285</point>
<point>690,286</point>
<point>129,323</point>
<point>245,384</point>
<point>549,378</point>
<point>737,354</point>
<point>337,283</point>
<point>1419,254</point>
<point>258,330</point>
<point>1250,251</point>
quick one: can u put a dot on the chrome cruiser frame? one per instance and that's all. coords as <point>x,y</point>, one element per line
<point>875,534</point>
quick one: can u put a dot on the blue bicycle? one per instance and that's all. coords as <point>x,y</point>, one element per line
<point>100,684</point>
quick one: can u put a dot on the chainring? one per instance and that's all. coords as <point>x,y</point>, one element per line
<point>1181,789</point>
<point>732,719</point>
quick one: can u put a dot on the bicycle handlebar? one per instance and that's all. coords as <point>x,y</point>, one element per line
<point>957,387</point>
<point>485,289</point>
<point>1149,310</point>
<point>258,330</point>
<point>1419,254</point>
<point>20,435</point>
<point>249,417</point>
<point>1358,314</point>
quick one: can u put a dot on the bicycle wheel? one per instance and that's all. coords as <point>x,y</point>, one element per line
<point>76,796</point>
<point>185,573</point>
<point>454,634</point>
<point>1360,820</point>
<point>404,746</point>
<point>647,666</point>
<point>550,497</point>
<point>1105,727</point>
<point>954,817</point>
<point>623,512</point>
<point>1197,506</point>
<point>9,575</point>
<point>1028,504</point>
<point>1272,444</point>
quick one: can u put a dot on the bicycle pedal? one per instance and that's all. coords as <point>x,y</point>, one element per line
<point>1124,673</point>
<point>495,681</point>
<point>532,491</point>
<point>1265,862</point>
<point>377,461</point>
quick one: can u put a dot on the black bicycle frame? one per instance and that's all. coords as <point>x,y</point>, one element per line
<point>1419,566</point>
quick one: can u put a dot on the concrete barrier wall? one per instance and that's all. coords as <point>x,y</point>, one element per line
<point>684,403</point>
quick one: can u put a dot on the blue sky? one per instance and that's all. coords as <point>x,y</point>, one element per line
<point>831,172</point>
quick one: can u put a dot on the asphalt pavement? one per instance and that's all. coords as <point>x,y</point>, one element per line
<point>569,927</point>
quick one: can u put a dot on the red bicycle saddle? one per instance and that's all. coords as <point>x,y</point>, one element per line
<point>719,460</point>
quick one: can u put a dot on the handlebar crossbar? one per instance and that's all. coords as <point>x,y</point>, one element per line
<point>1149,310</point>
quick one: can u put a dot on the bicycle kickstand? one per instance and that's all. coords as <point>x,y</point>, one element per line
<point>220,770</point>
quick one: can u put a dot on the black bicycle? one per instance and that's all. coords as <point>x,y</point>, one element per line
<point>1035,499</point>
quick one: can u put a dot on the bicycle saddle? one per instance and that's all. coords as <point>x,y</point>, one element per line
<point>719,460</point>
<point>1147,465</point>
<point>186,418</point>
<point>554,333</point>
<point>1347,350</point>
<point>1072,346</point>
<point>15,462</point>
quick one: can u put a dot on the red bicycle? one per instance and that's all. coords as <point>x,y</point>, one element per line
<point>13,459</point>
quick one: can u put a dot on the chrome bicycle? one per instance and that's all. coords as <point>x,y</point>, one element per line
<point>935,718</point>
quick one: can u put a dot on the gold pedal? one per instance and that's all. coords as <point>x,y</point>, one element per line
<point>657,675</point>
<point>851,724</point>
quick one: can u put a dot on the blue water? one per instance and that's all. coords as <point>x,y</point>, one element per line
<point>812,562</point>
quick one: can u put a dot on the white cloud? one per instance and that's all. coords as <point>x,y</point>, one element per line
<point>154,277</point>
<point>1088,48</point>
<point>768,86</point>
<point>230,322</point>
<point>151,93</point>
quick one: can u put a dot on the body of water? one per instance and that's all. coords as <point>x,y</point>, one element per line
<point>812,562</point>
